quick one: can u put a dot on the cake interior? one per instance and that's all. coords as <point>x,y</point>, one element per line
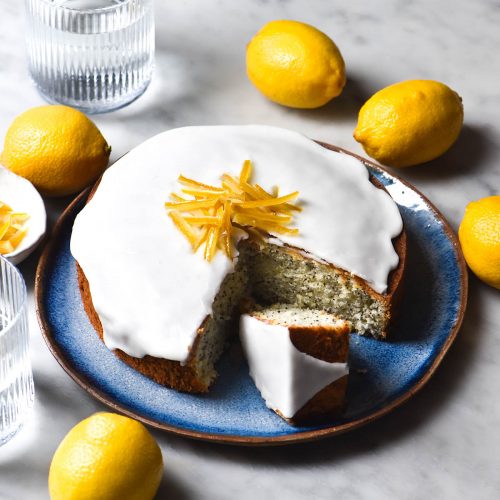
<point>294,289</point>
<point>221,324</point>
<point>280,274</point>
<point>292,316</point>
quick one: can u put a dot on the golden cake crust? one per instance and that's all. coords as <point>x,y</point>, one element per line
<point>163,371</point>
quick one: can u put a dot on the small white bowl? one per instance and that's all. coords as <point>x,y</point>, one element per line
<point>22,196</point>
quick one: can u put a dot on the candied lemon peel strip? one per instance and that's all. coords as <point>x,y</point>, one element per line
<point>208,215</point>
<point>12,228</point>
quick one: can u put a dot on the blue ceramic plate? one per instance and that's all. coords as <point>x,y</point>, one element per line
<point>383,374</point>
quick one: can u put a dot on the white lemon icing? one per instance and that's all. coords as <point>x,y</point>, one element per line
<point>286,378</point>
<point>151,292</point>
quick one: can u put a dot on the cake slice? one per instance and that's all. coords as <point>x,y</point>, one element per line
<point>298,360</point>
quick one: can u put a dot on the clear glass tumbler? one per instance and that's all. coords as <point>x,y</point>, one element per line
<point>16,381</point>
<point>94,55</point>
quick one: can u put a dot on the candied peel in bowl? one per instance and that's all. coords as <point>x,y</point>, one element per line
<point>13,228</point>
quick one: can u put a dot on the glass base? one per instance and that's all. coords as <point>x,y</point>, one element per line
<point>96,107</point>
<point>23,414</point>
<point>6,437</point>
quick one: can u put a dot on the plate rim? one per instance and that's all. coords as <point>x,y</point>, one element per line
<point>235,439</point>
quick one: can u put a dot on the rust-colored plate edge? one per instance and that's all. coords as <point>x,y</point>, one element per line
<point>299,437</point>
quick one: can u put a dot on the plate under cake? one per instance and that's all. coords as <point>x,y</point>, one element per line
<point>383,376</point>
<point>348,258</point>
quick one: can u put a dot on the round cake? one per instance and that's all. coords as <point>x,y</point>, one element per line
<point>168,312</point>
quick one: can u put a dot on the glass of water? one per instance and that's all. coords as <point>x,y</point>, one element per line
<point>94,55</point>
<point>16,381</point>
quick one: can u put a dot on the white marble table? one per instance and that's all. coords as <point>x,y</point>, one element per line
<point>445,442</point>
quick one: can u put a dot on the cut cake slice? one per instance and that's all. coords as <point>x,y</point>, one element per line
<point>298,360</point>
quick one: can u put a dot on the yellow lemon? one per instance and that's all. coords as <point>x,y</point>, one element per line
<point>57,148</point>
<point>410,122</point>
<point>295,65</point>
<point>479,235</point>
<point>106,457</point>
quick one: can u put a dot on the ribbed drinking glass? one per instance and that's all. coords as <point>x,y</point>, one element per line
<point>16,381</point>
<point>94,55</point>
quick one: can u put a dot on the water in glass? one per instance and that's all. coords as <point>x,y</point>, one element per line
<point>95,55</point>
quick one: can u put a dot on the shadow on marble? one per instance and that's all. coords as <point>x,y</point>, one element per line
<point>184,77</point>
<point>63,398</point>
<point>466,157</point>
<point>343,108</point>
<point>28,266</point>
<point>397,426</point>
<point>171,487</point>
<point>175,95</point>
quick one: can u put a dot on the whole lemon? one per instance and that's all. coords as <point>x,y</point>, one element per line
<point>57,148</point>
<point>295,65</point>
<point>106,457</point>
<point>479,235</point>
<point>410,122</point>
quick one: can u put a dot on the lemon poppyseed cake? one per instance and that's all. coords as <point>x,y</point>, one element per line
<point>166,310</point>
